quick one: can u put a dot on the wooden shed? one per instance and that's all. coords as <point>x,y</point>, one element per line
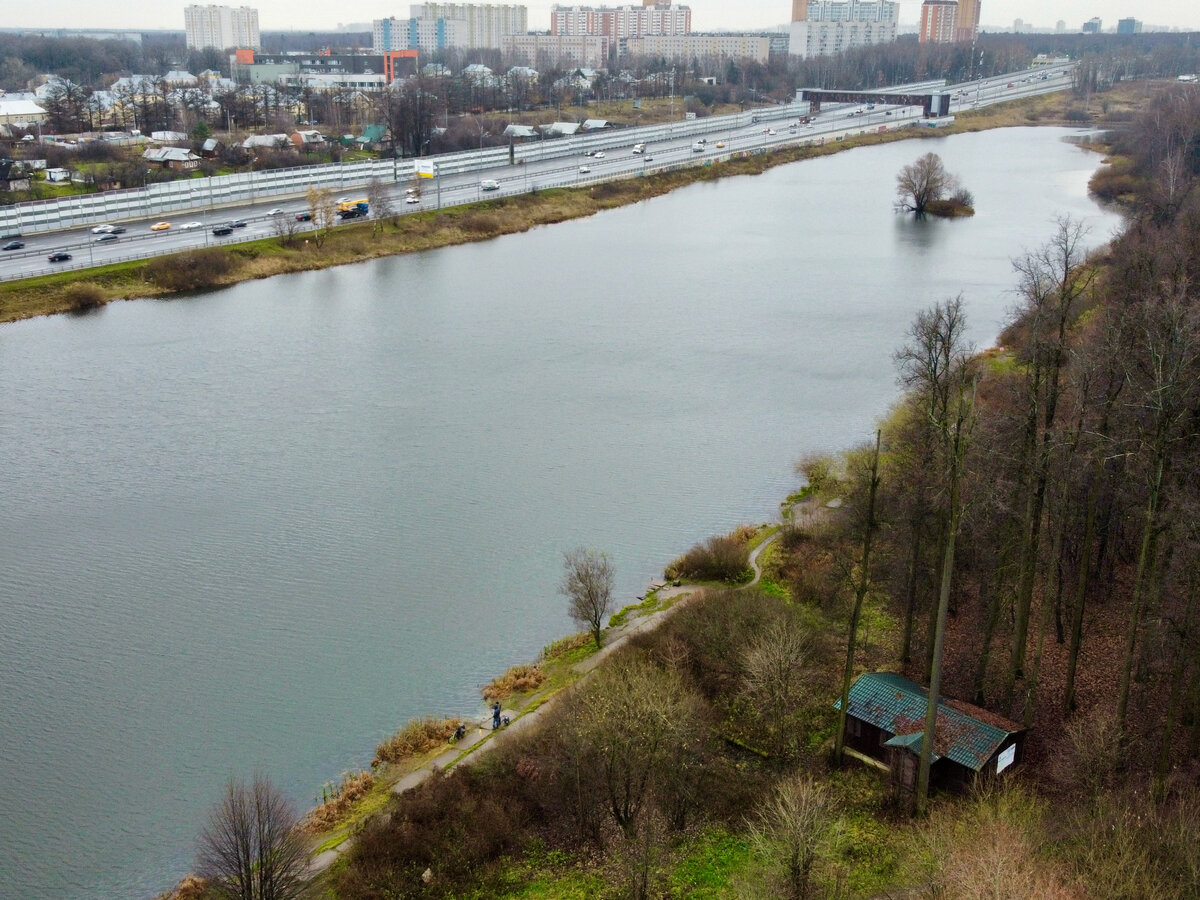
<point>885,722</point>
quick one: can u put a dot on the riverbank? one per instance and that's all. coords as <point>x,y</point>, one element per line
<point>74,292</point>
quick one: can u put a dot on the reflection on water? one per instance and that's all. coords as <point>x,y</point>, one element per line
<point>264,527</point>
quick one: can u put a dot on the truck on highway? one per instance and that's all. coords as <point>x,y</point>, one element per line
<point>352,209</point>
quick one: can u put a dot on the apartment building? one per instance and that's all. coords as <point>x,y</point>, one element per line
<point>939,22</point>
<point>221,27</point>
<point>620,22</point>
<point>685,48</point>
<point>827,27</point>
<point>550,51</point>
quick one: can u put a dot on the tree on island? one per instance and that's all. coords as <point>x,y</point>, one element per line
<point>926,187</point>
<point>587,585</point>
<point>251,848</point>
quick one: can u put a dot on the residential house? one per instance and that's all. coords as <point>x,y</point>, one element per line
<point>177,159</point>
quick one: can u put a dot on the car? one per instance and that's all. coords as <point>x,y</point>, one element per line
<point>887,112</point>
<point>102,229</point>
<point>590,153</point>
<point>720,145</point>
<point>583,170</point>
<point>237,224</point>
<point>160,226</point>
<point>770,131</point>
<point>222,230</point>
<point>412,198</point>
<point>14,245</point>
<point>105,238</point>
<point>698,147</point>
<point>28,139</point>
<point>117,229</point>
<point>638,151</point>
<point>275,212</point>
<point>303,217</point>
<point>188,226</point>
<point>649,159</point>
<point>702,140</point>
<point>59,256</point>
<point>599,154</point>
<point>1010,84</point>
<point>489,184</point>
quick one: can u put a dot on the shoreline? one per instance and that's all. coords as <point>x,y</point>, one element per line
<point>87,290</point>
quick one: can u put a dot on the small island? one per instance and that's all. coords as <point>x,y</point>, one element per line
<point>926,188</point>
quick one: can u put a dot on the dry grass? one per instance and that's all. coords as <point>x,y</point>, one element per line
<point>417,737</point>
<point>566,645</point>
<point>517,680</point>
<point>353,787</point>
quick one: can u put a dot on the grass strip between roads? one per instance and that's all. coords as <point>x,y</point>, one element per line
<point>83,290</point>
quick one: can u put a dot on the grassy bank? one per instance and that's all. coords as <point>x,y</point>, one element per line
<point>47,294</point>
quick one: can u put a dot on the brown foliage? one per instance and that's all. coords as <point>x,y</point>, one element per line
<point>516,680</point>
<point>192,270</point>
<point>352,788</point>
<point>417,737</point>
<point>720,558</point>
<point>84,295</point>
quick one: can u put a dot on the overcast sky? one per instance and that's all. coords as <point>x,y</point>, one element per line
<point>706,14</point>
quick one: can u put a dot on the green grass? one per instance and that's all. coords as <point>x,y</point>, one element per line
<point>710,865</point>
<point>634,610</point>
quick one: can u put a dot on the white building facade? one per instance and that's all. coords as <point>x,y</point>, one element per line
<point>557,50</point>
<point>828,27</point>
<point>685,48</point>
<point>483,24</point>
<point>221,27</point>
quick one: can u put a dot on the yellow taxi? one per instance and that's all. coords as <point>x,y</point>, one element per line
<point>160,226</point>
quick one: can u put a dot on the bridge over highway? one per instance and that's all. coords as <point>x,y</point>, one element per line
<point>934,105</point>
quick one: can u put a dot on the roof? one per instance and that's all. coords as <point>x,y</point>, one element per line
<point>591,124</point>
<point>556,129</point>
<point>964,733</point>
<point>521,131</point>
<point>20,108</point>
<point>169,154</point>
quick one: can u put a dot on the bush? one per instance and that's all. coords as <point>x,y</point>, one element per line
<point>84,295</point>
<point>1076,114</point>
<point>722,558</point>
<point>480,223</point>
<point>516,680</point>
<point>337,801</point>
<point>418,736</point>
<point>190,271</point>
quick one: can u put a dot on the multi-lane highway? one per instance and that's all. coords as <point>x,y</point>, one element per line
<point>565,162</point>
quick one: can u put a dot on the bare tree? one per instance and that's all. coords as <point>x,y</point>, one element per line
<point>791,829</point>
<point>923,182</point>
<point>323,210</point>
<point>775,680</point>
<point>587,585</point>
<point>251,847</point>
<point>379,201</point>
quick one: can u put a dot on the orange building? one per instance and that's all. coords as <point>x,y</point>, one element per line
<point>968,20</point>
<point>398,64</point>
<point>939,21</point>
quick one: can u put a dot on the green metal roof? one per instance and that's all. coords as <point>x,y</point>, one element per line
<point>963,733</point>
<point>911,742</point>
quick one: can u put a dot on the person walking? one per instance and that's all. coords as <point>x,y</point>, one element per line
<point>495,715</point>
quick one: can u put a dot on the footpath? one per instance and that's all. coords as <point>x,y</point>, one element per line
<point>480,739</point>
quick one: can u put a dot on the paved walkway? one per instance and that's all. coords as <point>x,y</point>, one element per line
<point>480,739</point>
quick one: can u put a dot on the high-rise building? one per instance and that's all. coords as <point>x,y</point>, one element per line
<point>826,27</point>
<point>620,22</point>
<point>1129,26</point>
<point>438,26</point>
<point>967,28</point>
<point>221,27</point>
<point>939,22</point>
<point>1093,26</point>
<point>1060,27</point>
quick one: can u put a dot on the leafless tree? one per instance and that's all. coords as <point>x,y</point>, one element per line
<point>775,678</point>
<point>323,210</point>
<point>923,182</point>
<point>587,585</point>
<point>791,828</point>
<point>251,848</point>
<point>379,200</point>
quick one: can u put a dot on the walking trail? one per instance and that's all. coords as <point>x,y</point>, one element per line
<point>482,738</point>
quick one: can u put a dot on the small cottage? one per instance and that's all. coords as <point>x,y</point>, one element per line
<point>177,159</point>
<point>885,723</point>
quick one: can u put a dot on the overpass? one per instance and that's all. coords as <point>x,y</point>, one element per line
<point>934,105</point>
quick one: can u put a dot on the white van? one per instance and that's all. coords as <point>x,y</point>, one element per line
<point>489,185</point>
<point>698,147</point>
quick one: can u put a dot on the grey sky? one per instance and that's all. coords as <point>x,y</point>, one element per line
<point>706,14</point>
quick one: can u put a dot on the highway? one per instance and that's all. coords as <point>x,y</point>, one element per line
<point>556,163</point>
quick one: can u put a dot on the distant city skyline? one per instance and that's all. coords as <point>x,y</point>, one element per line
<point>707,15</point>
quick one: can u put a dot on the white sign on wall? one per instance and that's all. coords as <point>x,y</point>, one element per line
<point>423,168</point>
<point>1006,759</point>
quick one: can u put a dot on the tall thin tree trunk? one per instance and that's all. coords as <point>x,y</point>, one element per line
<point>911,606</point>
<point>860,594</point>
<point>1144,565</point>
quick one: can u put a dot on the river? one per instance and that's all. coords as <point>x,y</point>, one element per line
<point>263,527</point>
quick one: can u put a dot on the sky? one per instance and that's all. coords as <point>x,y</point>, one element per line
<point>707,15</point>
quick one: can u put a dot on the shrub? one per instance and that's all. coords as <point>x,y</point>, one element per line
<point>84,295</point>
<point>337,801</point>
<point>720,558</point>
<point>563,646</point>
<point>516,680</point>
<point>190,271</point>
<point>418,736</point>
<point>1076,114</point>
<point>479,223</point>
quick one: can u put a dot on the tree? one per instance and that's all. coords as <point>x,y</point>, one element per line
<point>379,200</point>
<point>323,210</point>
<point>923,182</point>
<point>587,584</point>
<point>251,847</point>
<point>774,679</point>
<point>791,828</point>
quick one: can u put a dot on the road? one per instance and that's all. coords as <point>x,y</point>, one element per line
<point>556,163</point>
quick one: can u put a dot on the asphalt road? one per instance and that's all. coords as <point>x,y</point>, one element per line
<point>564,165</point>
